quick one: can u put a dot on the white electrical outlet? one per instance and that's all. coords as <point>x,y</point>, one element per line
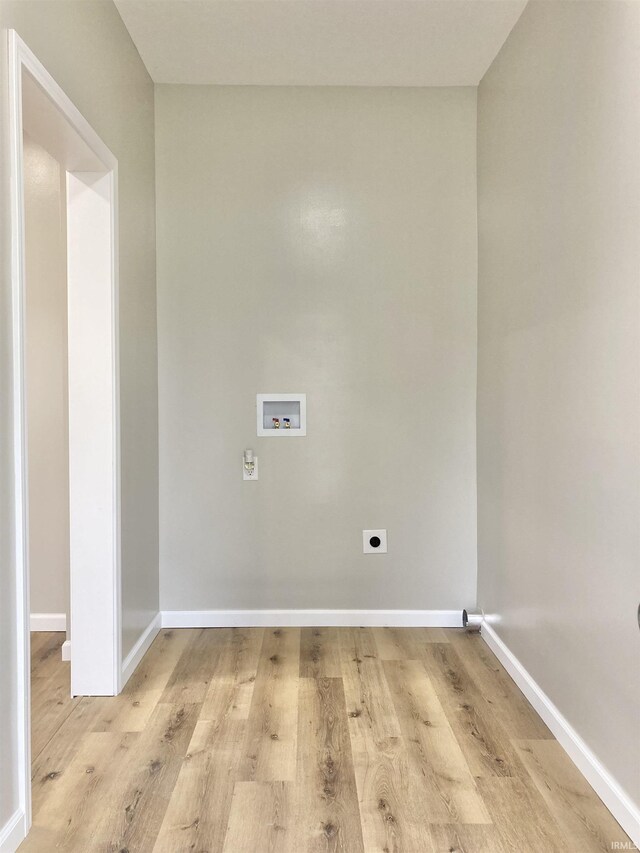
<point>250,473</point>
<point>374,541</point>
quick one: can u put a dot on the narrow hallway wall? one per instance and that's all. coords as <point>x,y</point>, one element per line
<point>47,399</point>
<point>559,351</point>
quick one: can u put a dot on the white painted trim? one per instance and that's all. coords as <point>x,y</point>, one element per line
<point>310,618</point>
<point>140,649</point>
<point>66,650</point>
<point>621,806</point>
<point>20,59</point>
<point>13,832</point>
<point>30,62</point>
<point>21,533</point>
<point>48,622</point>
<point>93,431</point>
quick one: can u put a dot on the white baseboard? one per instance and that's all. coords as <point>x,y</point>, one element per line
<point>66,650</point>
<point>48,622</point>
<point>136,654</point>
<point>621,806</point>
<point>309,618</point>
<point>13,833</point>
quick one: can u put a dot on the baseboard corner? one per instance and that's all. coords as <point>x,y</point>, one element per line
<point>66,650</point>
<point>615,798</point>
<point>13,833</point>
<point>141,647</point>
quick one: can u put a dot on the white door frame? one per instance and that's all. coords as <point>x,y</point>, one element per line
<point>93,401</point>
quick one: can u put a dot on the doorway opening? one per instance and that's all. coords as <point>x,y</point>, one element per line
<point>44,123</point>
<point>47,422</point>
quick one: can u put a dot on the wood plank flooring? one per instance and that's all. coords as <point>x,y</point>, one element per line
<point>288,740</point>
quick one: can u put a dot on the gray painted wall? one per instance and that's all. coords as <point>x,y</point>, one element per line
<point>46,375</point>
<point>87,49</point>
<point>559,350</point>
<point>324,241</point>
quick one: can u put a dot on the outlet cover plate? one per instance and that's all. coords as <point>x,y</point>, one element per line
<point>368,548</point>
<point>254,474</point>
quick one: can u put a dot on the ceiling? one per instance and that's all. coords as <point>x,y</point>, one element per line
<point>319,42</point>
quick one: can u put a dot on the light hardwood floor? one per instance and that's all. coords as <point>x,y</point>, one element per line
<point>314,739</point>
